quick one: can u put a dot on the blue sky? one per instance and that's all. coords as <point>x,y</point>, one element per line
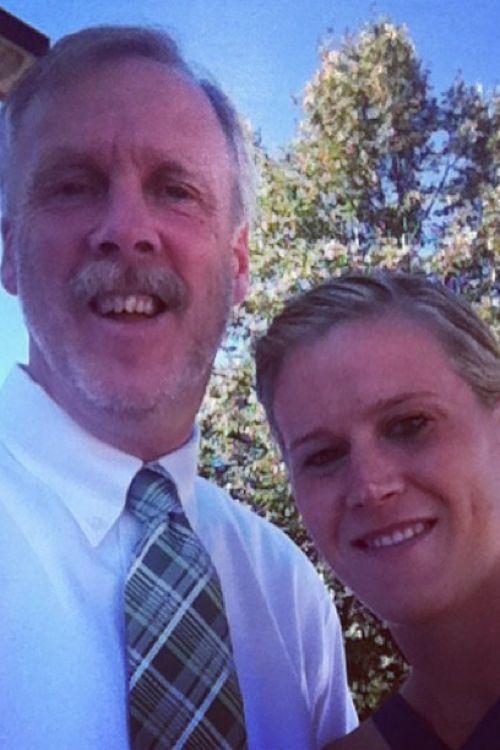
<point>263,52</point>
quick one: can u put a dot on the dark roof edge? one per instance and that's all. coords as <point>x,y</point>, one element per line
<point>25,36</point>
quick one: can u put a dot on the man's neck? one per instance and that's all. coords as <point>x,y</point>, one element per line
<point>146,434</point>
<point>144,437</point>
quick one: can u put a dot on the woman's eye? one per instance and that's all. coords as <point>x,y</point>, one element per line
<point>323,458</point>
<point>408,427</point>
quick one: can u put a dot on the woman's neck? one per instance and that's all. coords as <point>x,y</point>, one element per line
<point>455,666</point>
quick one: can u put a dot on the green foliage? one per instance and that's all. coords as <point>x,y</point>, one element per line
<point>472,147</point>
<point>381,174</point>
<point>366,137</point>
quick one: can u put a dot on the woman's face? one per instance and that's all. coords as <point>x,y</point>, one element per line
<point>395,466</point>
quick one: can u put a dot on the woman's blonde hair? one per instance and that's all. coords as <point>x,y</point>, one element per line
<point>471,348</point>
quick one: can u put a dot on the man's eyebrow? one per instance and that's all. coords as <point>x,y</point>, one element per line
<point>57,160</point>
<point>151,157</point>
<point>172,167</point>
<point>158,162</point>
<point>64,156</point>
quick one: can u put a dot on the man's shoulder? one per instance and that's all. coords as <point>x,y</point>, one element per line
<point>217,501</point>
<point>220,510</point>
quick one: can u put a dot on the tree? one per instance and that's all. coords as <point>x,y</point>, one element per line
<point>366,138</point>
<point>380,174</point>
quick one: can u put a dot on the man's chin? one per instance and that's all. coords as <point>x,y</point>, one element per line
<point>120,397</point>
<point>90,388</point>
<point>128,400</point>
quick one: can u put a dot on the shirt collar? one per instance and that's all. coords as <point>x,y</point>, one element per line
<point>90,477</point>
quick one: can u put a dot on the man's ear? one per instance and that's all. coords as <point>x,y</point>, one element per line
<point>241,263</point>
<point>8,266</point>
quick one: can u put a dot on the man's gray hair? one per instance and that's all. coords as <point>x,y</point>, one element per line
<point>91,48</point>
<point>470,346</point>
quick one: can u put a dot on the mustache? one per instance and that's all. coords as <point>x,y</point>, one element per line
<point>111,277</point>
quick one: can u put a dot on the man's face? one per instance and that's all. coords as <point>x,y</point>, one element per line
<point>120,238</point>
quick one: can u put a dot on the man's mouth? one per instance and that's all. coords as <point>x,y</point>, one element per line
<point>129,293</point>
<point>110,305</point>
<point>395,535</point>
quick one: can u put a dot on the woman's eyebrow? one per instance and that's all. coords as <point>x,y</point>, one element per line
<point>384,404</point>
<point>314,435</point>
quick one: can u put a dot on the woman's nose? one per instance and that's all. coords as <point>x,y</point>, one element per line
<point>376,477</point>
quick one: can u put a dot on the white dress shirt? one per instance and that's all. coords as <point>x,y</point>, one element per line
<point>66,543</point>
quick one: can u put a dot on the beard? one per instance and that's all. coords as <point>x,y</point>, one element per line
<point>83,372</point>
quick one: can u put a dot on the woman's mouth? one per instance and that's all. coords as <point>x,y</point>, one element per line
<point>395,535</point>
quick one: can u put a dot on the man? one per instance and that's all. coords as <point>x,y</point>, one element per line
<point>125,231</point>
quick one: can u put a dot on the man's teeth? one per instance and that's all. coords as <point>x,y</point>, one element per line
<point>396,537</point>
<point>141,304</point>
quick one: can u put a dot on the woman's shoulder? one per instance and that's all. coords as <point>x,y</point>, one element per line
<point>365,737</point>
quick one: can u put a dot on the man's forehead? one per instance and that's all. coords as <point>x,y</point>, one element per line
<point>133,103</point>
<point>148,110</point>
<point>132,84</point>
<point>99,154</point>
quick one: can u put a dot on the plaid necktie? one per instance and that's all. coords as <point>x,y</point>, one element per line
<point>184,691</point>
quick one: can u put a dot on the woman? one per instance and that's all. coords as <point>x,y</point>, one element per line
<point>384,395</point>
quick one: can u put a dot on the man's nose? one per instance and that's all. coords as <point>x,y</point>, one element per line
<point>125,225</point>
<point>376,477</point>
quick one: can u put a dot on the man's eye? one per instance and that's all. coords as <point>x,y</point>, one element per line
<point>176,192</point>
<point>73,189</point>
<point>408,427</point>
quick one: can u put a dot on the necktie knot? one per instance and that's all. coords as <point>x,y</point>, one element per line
<point>152,495</point>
